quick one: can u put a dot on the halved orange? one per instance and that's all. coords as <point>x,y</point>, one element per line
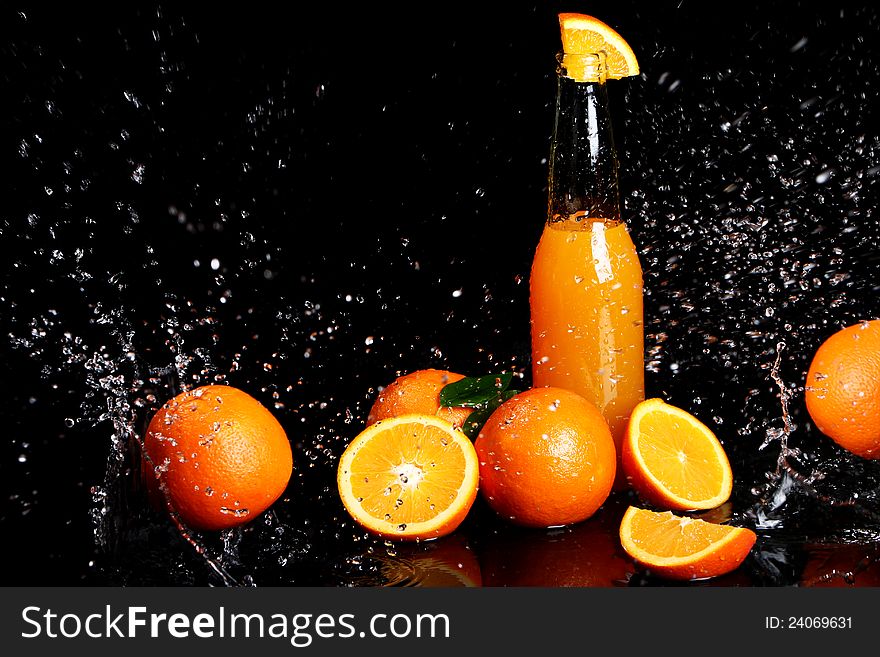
<point>583,35</point>
<point>673,460</point>
<point>410,477</point>
<point>680,548</point>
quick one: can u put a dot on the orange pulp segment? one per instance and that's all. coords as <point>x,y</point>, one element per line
<point>582,35</point>
<point>408,478</point>
<point>680,548</point>
<point>673,460</point>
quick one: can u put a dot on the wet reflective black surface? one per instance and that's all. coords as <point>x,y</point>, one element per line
<point>304,208</point>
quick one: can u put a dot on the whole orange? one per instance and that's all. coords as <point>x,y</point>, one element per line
<point>546,458</point>
<point>418,392</point>
<point>218,456</point>
<point>843,388</point>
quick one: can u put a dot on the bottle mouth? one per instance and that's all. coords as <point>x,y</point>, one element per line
<point>583,67</point>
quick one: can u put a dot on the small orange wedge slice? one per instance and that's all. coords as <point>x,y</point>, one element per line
<point>412,477</point>
<point>673,460</point>
<point>680,548</point>
<point>583,35</point>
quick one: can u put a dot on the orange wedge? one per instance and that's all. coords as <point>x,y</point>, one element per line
<point>411,477</point>
<point>673,460</point>
<point>583,35</point>
<point>683,548</point>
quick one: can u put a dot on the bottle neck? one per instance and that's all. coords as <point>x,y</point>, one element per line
<point>583,160</point>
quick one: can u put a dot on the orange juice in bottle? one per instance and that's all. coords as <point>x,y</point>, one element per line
<point>586,280</point>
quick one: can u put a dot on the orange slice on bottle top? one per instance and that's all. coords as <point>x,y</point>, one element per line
<point>680,548</point>
<point>583,35</point>
<point>411,477</point>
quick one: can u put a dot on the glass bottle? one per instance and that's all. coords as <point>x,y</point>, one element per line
<point>586,279</point>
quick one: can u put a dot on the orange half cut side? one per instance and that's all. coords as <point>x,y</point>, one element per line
<point>673,460</point>
<point>412,477</point>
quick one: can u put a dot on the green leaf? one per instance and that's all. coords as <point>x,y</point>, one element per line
<point>474,391</point>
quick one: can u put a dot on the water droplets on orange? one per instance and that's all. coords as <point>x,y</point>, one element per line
<point>411,477</point>
<point>216,439</point>
<point>547,458</point>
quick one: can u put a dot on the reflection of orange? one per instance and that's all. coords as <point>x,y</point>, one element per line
<point>842,565</point>
<point>587,554</point>
<point>418,392</point>
<point>445,563</point>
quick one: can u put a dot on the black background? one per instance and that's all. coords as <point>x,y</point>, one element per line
<point>396,157</point>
